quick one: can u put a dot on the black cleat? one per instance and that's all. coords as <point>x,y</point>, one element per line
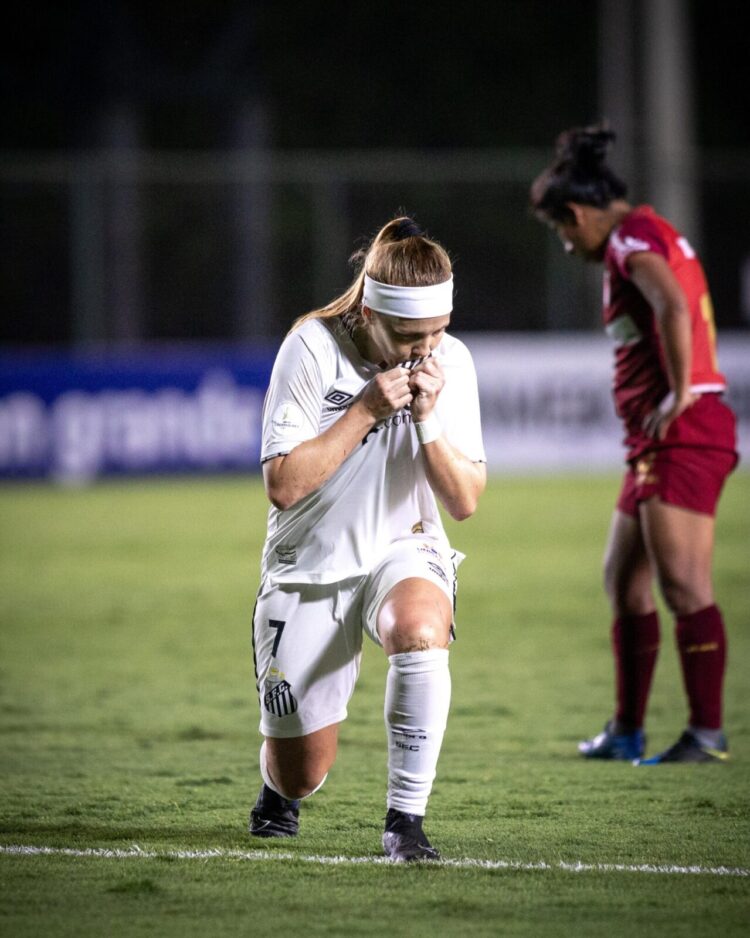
<point>689,749</point>
<point>404,840</point>
<point>611,745</point>
<point>274,816</point>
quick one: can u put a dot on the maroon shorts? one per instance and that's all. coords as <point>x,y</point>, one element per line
<point>686,476</point>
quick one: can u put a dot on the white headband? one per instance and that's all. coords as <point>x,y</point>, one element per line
<point>409,302</point>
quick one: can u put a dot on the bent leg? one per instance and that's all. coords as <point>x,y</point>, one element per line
<point>297,767</point>
<point>408,609</point>
<point>307,643</point>
<point>292,768</point>
<point>414,626</point>
<point>416,615</point>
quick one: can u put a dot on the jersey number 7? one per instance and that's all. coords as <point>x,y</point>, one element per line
<point>279,626</point>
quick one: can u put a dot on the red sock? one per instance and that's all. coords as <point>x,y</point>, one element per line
<point>702,643</point>
<point>635,643</point>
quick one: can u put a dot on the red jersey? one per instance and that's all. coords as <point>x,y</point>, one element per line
<point>640,380</point>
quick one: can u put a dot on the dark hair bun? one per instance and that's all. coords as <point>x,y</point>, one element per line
<point>585,147</point>
<point>579,173</point>
<point>408,228</point>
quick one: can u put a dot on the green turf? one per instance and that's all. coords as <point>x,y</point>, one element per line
<point>127,717</point>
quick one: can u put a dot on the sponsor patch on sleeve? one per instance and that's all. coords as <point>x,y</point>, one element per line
<point>623,331</point>
<point>288,419</point>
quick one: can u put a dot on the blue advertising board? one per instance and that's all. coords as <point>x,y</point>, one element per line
<point>74,418</point>
<point>545,401</point>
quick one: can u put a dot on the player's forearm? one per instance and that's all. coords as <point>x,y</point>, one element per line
<point>656,281</point>
<point>456,481</point>
<point>674,329</point>
<point>288,479</point>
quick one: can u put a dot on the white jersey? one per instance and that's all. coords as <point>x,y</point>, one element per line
<point>380,493</point>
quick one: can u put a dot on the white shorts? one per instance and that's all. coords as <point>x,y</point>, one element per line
<point>307,637</point>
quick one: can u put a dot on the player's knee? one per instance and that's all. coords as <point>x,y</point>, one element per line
<point>297,767</point>
<point>300,783</point>
<point>418,634</point>
<point>627,598</point>
<point>629,591</point>
<point>684,596</point>
<point>632,604</point>
<point>303,790</point>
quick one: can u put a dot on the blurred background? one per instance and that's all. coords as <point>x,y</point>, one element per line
<point>178,182</point>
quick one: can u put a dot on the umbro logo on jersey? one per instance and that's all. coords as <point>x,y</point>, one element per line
<point>338,398</point>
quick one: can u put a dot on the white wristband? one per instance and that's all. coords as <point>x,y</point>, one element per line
<point>428,430</point>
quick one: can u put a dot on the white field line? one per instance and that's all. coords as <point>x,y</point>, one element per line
<point>136,853</point>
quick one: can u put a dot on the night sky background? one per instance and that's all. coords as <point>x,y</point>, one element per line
<point>334,76</point>
<point>341,73</point>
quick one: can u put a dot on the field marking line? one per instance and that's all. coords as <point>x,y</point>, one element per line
<point>135,852</point>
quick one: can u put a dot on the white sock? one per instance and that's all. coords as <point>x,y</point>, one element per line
<point>711,738</point>
<point>263,762</point>
<point>417,699</point>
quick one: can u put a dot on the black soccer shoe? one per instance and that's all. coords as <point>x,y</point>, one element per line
<point>611,745</point>
<point>404,840</point>
<point>274,816</point>
<point>689,749</point>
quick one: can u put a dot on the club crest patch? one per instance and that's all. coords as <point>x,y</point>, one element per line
<point>278,698</point>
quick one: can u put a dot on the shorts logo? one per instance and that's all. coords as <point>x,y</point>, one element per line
<point>644,472</point>
<point>287,555</point>
<point>338,398</point>
<point>438,571</point>
<point>427,549</point>
<point>278,698</point>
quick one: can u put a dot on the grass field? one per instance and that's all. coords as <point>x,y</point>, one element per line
<point>128,723</point>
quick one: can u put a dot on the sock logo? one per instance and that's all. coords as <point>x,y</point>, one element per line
<point>403,739</point>
<point>706,646</point>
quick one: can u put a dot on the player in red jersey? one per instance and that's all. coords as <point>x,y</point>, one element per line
<point>679,437</point>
